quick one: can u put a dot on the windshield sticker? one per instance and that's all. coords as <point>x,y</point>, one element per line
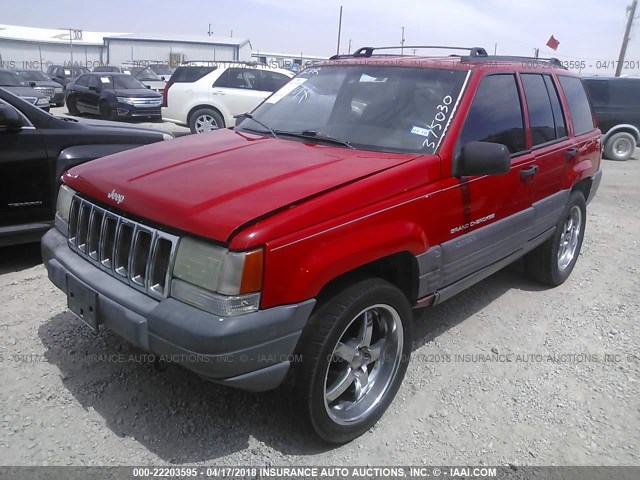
<point>104,79</point>
<point>425,132</point>
<point>126,72</point>
<point>286,90</point>
<point>67,72</point>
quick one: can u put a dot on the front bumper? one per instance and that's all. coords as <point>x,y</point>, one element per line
<point>57,99</point>
<point>124,110</point>
<point>251,352</point>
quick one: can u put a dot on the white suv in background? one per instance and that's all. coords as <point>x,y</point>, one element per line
<point>206,98</point>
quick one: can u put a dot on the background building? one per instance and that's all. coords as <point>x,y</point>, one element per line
<point>28,47</point>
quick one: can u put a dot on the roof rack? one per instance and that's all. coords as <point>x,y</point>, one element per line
<point>510,58</point>
<point>368,51</point>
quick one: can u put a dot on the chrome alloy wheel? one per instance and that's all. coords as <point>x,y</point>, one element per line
<point>570,238</point>
<point>363,364</point>
<point>206,123</point>
<point>623,146</point>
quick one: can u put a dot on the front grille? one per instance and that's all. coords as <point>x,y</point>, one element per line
<point>147,102</point>
<point>130,251</point>
<point>48,91</point>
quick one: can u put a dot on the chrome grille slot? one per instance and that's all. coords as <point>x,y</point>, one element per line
<point>83,226</point>
<point>134,253</point>
<point>73,219</point>
<point>107,241</point>
<point>159,266</point>
<point>95,226</point>
<point>140,256</point>
<point>124,237</point>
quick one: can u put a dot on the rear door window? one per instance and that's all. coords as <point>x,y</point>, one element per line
<point>273,81</point>
<point>239,78</point>
<point>579,107</point>
<point>543,128</point>
<point>558,115</point>
<point>190,74</point>
<point>495,115</point>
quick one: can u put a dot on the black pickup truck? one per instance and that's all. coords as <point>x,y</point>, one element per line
<point>35,149</point>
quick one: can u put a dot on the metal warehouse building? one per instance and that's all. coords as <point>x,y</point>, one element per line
<point>27,47</point>
<point>174,48</point>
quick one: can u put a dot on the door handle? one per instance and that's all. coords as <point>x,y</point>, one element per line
<point>217,92</point>
<point>528,172</point>
<point>572,152</point>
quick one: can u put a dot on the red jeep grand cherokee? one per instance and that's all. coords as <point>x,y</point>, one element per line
<point>295,245</point>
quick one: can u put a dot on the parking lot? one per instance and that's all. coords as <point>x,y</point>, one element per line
<point>507,372</point>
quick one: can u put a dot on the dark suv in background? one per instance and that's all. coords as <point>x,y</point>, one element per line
<point>43,84</point>
<point>616,102</point>
<point>64,75</point>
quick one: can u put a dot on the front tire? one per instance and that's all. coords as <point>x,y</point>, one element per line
<point>354,354</point>
<point>106,112</point>
<point>72,107</point>
<point>620,146</point>
<point>205,120</point>
<point>552,262</point>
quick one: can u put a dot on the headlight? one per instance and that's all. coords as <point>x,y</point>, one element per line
<point>63,206</point>
<point>167,136</point>
<point>216,280</point>
<point>127,100</point>
<point>57,89</point>
<point>42,101</point>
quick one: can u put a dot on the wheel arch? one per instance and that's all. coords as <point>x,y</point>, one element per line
<point>205,105</point>
<point>623,127</point>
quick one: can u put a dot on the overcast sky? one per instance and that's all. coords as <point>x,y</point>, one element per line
<point>587,29</point>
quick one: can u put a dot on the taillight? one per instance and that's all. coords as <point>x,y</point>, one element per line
<point>165,94</point>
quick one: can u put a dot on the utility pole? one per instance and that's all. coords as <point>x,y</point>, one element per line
<point>339,31</point>
<point>631,11</point>
<point>349,47</point>
<point>402,43</point>
<point>209,32</point>
<point>536,52</point>
<point>71,45</point>
<point>495,48</point>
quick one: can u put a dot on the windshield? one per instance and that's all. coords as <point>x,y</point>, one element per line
<point>383,108</point>
<point>147,74</point>
<point>32,76</point>
<point>122,82</point>
<point>10,79</point>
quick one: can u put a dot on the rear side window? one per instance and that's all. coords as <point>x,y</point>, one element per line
<point>599,90</point>
<point>82,81</point>
<point>624,92</point>
<point>579,107</point>
<point>558,116</point>
<point>495,115</point>
<point>190,74</point>
<point>239,78</point>
<point>543,128</point>
<point>272,81</point>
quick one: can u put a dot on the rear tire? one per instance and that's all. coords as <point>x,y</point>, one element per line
<point>620,146</point>
<point>72,107</point>
<point>353,355</point>
<point>205,120</point>
<point>552,262</point>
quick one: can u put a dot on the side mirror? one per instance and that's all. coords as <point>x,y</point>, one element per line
<point>9,118</point>
<point>148,86</point>
<point>163,79</point>
<point>482,158</point>
<point>32,84</point>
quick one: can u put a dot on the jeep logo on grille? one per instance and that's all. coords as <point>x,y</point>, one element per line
<point>116,197</point>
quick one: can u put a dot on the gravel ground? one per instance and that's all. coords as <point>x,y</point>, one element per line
<point>60,403</point>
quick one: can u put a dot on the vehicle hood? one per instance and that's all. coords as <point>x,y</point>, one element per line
<point>46,83</point>
<point>23,91</point>
<point>137,93</point>
<point>213,184</point>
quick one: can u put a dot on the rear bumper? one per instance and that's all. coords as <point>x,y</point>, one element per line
<point>251,352</point>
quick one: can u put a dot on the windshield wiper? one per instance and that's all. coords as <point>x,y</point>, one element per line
<point>250,117</point>
<point>316,135</point>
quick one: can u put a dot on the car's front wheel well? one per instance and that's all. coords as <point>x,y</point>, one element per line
<point>399,269</point>
<point>200,107</point>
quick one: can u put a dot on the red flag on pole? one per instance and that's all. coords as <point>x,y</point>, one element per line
<point>553,43</point>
